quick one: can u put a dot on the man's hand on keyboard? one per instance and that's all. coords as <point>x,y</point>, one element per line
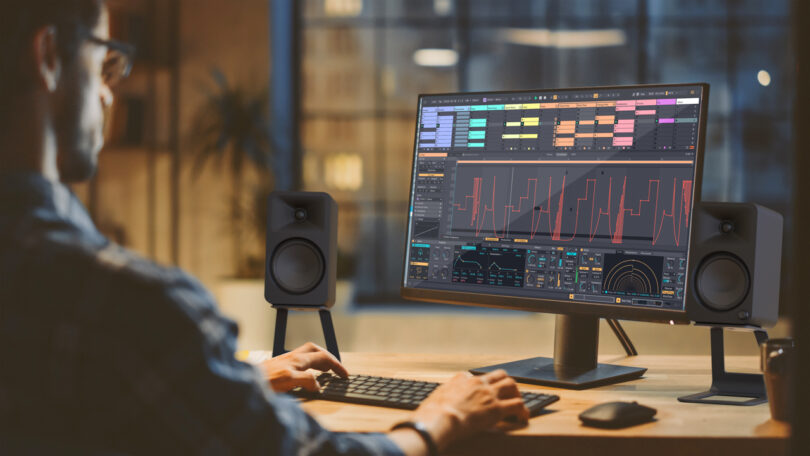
<point>468,404</point>
<point>290,370</point>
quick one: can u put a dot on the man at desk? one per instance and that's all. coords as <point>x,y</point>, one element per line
<point>101,350</point>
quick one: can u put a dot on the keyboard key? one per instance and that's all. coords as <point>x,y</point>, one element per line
<point>370,397</point>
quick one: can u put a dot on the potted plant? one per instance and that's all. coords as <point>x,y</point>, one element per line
<point>233,126</point>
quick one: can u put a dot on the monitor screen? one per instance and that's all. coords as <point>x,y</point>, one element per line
<point>564,200</point>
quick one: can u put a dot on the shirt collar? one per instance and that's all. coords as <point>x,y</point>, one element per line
<point>30,192</point>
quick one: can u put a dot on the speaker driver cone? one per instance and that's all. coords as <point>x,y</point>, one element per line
<point>297,266</point>
<point>722,281</point>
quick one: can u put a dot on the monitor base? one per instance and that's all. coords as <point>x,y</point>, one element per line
<point>541,371</point>
<point>574,366</point>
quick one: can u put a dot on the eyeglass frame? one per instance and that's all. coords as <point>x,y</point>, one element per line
<point>126,49</point>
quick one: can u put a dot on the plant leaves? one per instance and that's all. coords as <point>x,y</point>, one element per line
<point>235,122</point>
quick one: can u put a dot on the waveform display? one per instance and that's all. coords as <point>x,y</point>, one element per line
<point>634,203</point>
<point>489,266</point>
<point>633,275</point>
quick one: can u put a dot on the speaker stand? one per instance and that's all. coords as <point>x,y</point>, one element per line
<point>281,330</point>
<point>730,384</point>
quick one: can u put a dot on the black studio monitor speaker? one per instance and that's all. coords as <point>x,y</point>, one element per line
<point>734,267</point>
<point>301,261</point>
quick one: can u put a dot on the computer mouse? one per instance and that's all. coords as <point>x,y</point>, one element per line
<point>615,415</point>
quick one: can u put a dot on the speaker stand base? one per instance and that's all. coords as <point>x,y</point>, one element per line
<point>281,330</point>
<point>749,388</point>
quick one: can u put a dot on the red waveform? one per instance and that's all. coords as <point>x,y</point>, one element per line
<point>678,212</point>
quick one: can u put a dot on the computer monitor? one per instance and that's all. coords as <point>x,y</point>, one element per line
<point>570,201</point>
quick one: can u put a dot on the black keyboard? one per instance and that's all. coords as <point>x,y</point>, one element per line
<point>395,392</point>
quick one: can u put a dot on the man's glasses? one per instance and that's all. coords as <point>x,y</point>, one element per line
<point>118,63</point>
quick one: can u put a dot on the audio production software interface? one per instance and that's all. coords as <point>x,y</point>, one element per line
<point>570,195</point>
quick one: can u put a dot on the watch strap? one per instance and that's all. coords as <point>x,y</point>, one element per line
<point>420,428</point>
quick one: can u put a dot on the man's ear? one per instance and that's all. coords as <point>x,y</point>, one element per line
<point>46,58</point>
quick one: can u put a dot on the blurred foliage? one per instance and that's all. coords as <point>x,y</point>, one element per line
<point>233,122</point>
<point>233,126</point>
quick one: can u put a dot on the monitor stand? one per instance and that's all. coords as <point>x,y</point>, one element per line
<point>574,366</point>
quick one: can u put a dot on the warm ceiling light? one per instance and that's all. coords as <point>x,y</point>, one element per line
<point>442,7</point>
<point>344,172</point>
<point>565,39</point>
<point>764,78</point>
<point>343,8</point>
<point>435,57</point>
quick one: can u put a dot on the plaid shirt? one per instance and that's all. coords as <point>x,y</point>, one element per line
<point>102,351</point>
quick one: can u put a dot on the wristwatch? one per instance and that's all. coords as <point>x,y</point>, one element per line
<point>420,428</point>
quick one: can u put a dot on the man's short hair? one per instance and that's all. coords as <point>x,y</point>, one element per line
<point>19,19</point>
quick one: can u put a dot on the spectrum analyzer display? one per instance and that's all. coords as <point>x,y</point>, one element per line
<point>579,195</point>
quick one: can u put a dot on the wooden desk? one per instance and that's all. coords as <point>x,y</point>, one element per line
<point>680,429</point>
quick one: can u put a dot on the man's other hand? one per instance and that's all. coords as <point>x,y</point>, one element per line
<point>466,405</point>
<point>290,370</point>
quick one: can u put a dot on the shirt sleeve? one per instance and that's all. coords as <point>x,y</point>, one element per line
<point>185,392</point>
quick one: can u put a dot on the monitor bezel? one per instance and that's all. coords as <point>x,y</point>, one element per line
<point>546,305</point>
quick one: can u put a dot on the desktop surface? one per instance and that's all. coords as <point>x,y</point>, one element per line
<point>680,428</point>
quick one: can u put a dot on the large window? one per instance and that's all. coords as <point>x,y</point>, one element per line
<point>364,62</point>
